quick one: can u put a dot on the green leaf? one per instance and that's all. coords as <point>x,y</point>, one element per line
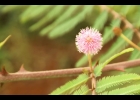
<point>111,81</point>
<point>68,25</point>
<point>39,11</point>
<point>137,24</point>
<point>83,90</point>
<point>3,42</point>
<point>25,15</point>
<point>118,45</point>
<point>135,54</point>
<point>108,33</point>
<point>71,86</point>
<point>1,7</point>
<point>9,8</point>
<point>101,20</point>
<point>129,90</point>
<point>65,16</point>
<point>98,69</point>
<point>133,14</point>
<point>52,14</point>
<point>135,18</point>
<point>125,9</point>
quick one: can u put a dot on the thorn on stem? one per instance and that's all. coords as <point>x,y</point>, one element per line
<point>97,63</point>
<point>120,69</point>
<point>22,69</point>
<point>3,71</point>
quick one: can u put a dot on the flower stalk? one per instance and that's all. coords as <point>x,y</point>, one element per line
<point>89,41</point>
<point>90,63</point>
<point>130,42</point>
<point>117,31</point>
<point>93,80</point>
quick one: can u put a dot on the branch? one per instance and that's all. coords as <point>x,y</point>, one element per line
<point>26,75</point>
<point>117,15</point>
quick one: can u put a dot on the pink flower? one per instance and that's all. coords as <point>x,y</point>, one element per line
<point>89,41</point>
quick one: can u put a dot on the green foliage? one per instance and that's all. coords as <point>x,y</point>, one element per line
<point>108,30</point>
<point>118,45</point>
<point>125,9</point>
<point>68,25</point>
<point>25,16</point>
<point>78,86</point>
<point>50,23</point>
<point>107,82</point>
<point>135,54</point>
<point>83,90</point>
<point>71,86</point>
<point>3,42</point>
<point>81,61</point>
<point>57,21</point>
<point>101,20</point>
<point>108,34</point>
<point>129,90</point>
<point>98,69</point>
<point>9,8</point>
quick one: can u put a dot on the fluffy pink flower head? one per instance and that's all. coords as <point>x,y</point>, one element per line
<point>89,41</point>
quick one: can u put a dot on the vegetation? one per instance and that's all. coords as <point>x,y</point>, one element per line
<point>35,34</point>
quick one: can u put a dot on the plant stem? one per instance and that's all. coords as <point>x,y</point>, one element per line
<point>90,63</point>
<point>117,31</point>
<point>117,15</point>
<point>93,80</point>
<point>26,75</point>
<point>130,42</point>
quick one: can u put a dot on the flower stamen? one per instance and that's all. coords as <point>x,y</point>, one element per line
<point>89,41</point>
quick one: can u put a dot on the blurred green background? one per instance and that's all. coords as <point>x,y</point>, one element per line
<point>43,38</point>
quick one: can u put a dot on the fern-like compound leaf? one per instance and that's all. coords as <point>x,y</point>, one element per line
<point>83,90</point>
<point>24,17</point>
<point>129,90</point>
<point>51,15</point>
<point>108,30</point>
<point>111,81</point>
<point>71,86</point>
<point>68,25</point>
<point>98,69</point>
<point>118,45</point>
<point>135,54</point>
<point>64,16</point>
<point>101,20</point>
